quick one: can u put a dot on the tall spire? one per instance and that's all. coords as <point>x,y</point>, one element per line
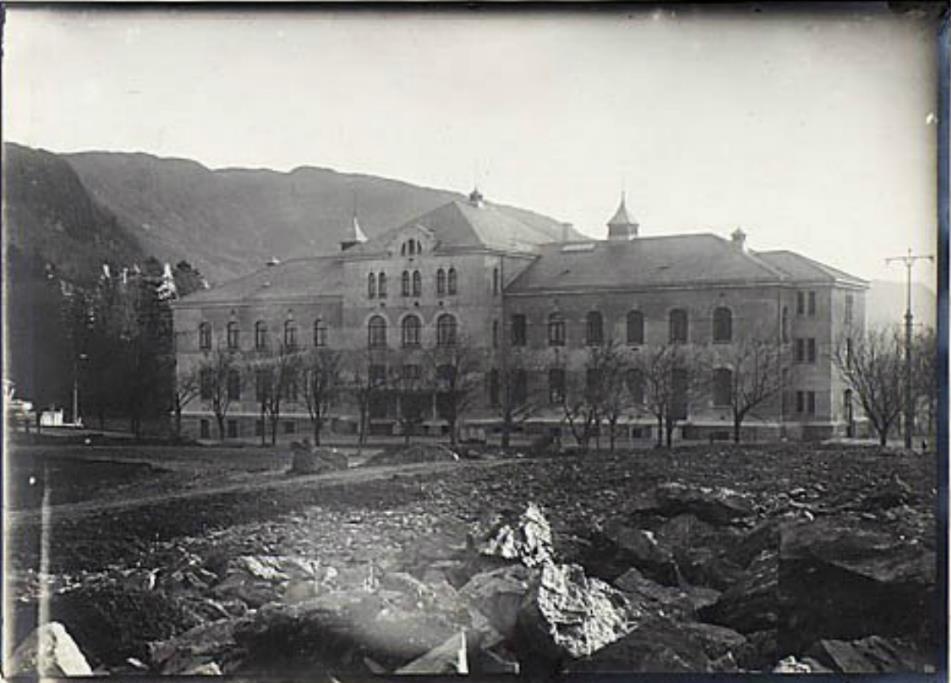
<point>622,226</point>
<point>356,236</point>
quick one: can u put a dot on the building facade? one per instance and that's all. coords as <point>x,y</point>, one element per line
<point>528,302</point>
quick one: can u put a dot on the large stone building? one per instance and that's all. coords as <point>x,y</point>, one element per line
<point>531,303</point>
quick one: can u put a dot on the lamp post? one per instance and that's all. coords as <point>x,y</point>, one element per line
<point>80,357</point>
<point>909,260</point>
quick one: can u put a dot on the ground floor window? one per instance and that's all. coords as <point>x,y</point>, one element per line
<point>290,427</point>
<point>232,429</point>
<point>205,429</point>
<point>259,427</point>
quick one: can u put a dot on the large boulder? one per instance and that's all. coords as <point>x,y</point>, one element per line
<point>498,594</point>
<point>841,580</point>
<point>49,650</point>
<point>872,655</point>
<point>445,659</point>
<point>260,579</point>
<point>526,539</point>
<point>716,505</point>
<point>669,600</point>
<point>633,547</point>
<point>204,644</point>
<point>567,615</point>
<point>657,645</point>
<point>752,604</point>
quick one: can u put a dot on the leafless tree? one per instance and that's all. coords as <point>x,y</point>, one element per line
<point>673,375</point>
<point>215,371</point>
<point>362,386</point>
<point>755,367</point>
<point>516,400</point>
<point>926,375</point>
<point>187,388</point>
<point>456,371</point>
<point>321,380</point>
<point>873,367</point>
<point>598,395</point>
<point>275,374</point>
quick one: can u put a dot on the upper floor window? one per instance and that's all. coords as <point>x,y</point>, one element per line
<point>410,330</point>
<point>722,325</point>
<point>595,327</point>
<point>722,387</point>
<point>445,330</point>
<point>262,384</point>
<point>493,388</point>
<point>495,334</point>
<point>233,336</point>
<point>376,332</point>
<point>440,282</point>
<point>635,327</point>
<point>290,334</point>
<point>849,306</point>
<point>495,280</point>
<point>234,385</point>
<point>784,325</point>
<point>519,332</point>
<point>452,281</point>
<point>206,383</point>
<point>417,283</point>
<point>519,386</point>
<point>811,310</point>
<point>260,335</point>
<point>678,326</point>
<point>411,247</point>
<point>381,285</point>
<point>800,303</point>
<point>320,333</point>
<point>556,330</point>
<point>204,336</point>
<point>371,285</point>
<point>404,281</point>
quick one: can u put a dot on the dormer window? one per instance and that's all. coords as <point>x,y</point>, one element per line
<point>411,247</point>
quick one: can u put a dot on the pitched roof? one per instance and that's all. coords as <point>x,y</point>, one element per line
<point>463,224</point>
<point>296,278</point>
<point>802,268</point>
<point>695,259</point>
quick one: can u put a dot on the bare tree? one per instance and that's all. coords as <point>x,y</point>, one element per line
<point>873,367</point>
<point>215,371</point>
<point>187,388</point>
<point>275,376</point>
<point>320,372</point>
<point>755,376</point>
<point>598,395</point>
<point>925,379</point>
<point>456,372</point>
<point>516,401</point>
<point>673,374</point>
<point>363,386</point>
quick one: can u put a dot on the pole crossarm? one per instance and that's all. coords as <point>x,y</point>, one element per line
<point>909,260</point>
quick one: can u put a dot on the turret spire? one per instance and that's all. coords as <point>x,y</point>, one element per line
<point>622,226</point>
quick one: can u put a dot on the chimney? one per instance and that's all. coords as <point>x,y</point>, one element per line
<point>476,198</point>
<point>738,237</point>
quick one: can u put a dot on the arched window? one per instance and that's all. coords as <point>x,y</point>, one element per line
<point>410,329</point>
<point>204,336</point>
<point>784,325</point>
<point>635,327</point>
<point>290,334</point>
<point>722,325</point>
<point>722,387</point>
<point>556,330</point>
<point>233,336</point>
<point>417,283</point>
<point>440,282</point>
<point>381,285</point>
<point>445,330</point>
<point>405,283</point>
<point>260,335</point>
<point>376,332</point>
<point>371,285</point>
<point>595,328</point>
<point>320,333</point>
<point>452,281</point>
<point>678,326</point>
<point>634,379</point>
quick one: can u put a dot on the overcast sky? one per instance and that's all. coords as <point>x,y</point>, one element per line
<point>811,132</point>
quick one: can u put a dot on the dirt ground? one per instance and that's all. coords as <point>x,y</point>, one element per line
<point>124,509</point>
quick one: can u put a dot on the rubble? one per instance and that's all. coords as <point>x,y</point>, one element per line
<point>48,651</point>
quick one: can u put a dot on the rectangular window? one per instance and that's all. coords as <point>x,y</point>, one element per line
<point>811,350</point>
<point>519,387</point>
<point>234,386</point>
<point>494,388</point>
<point>800,401</point>
<point>411,373</point>
<point>556,385</point>
<point>800,350</point>
<point>848,353</point>
<point>290,389</point>
<point>811,399</point>
<point>849,306</point>
<point>290,427</point>
<point>377,375</point>
<point>592,380</point>
<point>232,429</point>
<point>495,280</point>
<point>262,385</point>
<point>207,382</point>
<point>556,331</point>
<point>205,429</point>
<point>519,332</point>
<point>812,303</point>
<point>259,427</point>
<point>800,303</point>
<point>495,334</point>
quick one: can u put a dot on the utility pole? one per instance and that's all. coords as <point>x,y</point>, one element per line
<point>909,260</point>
